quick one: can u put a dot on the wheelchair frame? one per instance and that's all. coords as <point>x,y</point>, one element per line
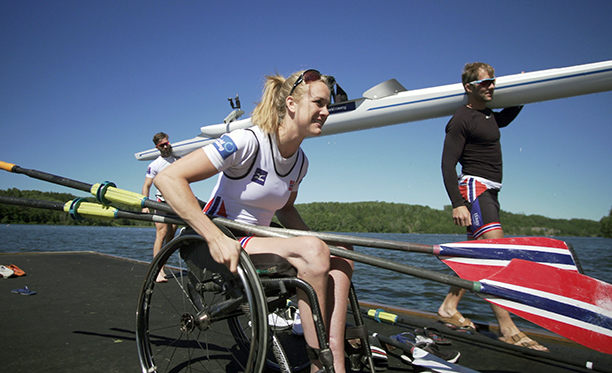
<point>208,319</point>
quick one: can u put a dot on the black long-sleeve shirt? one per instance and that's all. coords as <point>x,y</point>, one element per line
<point>472,139</point>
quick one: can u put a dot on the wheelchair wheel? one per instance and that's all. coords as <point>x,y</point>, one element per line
<point>184,324</point>
<point>287,352</point>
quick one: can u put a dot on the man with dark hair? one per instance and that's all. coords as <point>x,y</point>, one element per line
<point>164,233</point>
<point>473,139</point>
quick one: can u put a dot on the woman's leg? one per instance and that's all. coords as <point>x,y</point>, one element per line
<point>311,257</point>
<point>337,303</point>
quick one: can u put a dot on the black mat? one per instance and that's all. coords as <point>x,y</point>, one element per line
<point>82,319</point>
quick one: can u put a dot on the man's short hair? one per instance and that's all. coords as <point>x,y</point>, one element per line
<point>158,137</point>
<point>471,70</point>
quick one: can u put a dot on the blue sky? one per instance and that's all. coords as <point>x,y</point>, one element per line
<point>85,85</point>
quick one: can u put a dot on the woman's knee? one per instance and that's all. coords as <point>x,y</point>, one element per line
<point>316,252</point>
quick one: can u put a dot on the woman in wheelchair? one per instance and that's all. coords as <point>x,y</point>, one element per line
<point>260,171</point>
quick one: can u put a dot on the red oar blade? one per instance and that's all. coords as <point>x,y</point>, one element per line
<point>473,260</point>
<point>570,304</point>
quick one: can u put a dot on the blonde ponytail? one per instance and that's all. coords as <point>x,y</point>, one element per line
<point>270,112</point>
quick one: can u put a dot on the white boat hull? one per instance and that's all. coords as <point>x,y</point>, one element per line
<point>384,106</point>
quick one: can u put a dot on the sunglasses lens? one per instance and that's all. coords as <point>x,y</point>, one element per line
<point>163,144</point>
<point>306,77</point>
<point>311,76</point>
<point>484,82</point>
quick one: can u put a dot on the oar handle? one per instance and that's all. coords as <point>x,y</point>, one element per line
<point>7,166</point>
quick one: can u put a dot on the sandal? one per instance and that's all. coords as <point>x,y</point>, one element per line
<point>521,339</point>
<point>457,321</point>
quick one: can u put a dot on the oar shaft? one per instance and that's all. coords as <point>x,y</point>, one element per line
<point>46,177</point>
<point>110,193</point>
<point>361,241</point>
<point>47,205</point>
<point>362,258</point>
<point>95,210</point>
<point>156,218</point>
<point>92,210</point>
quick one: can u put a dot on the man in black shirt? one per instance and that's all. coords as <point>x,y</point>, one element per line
<point>472,139</point>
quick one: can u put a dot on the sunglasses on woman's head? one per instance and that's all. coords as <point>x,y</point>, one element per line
<point>306,77</point>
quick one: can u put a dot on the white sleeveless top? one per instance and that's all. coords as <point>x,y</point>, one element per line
<point>256,180</point>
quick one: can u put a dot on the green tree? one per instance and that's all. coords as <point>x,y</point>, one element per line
<point>606,225</point>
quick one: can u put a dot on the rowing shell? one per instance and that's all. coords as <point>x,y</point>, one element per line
<point>390,103</point>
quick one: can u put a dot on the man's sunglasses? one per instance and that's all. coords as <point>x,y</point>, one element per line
<point>306,77</point>
<point>483,82</point>
<point>163,144</point>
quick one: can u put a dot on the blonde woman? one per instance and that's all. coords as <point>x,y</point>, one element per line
<point>261,169</point>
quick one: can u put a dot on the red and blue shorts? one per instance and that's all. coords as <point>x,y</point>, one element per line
<point>483,205</point>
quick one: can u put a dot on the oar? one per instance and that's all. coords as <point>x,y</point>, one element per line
<point>104,192</point>
<point>568,303</point>
<point>471,260</point>
<point>78,209</point>
<point>579,308</point>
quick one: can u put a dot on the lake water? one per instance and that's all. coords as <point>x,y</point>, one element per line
<point>372,284</point>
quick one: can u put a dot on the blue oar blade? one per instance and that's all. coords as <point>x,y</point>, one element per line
<point>570,304</point>
<point>474,260</point>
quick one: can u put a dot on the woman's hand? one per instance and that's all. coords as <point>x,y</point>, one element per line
<point>225,250</point>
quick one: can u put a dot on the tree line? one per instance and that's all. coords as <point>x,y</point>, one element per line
<point>378,217</point>
<point>384,217</point>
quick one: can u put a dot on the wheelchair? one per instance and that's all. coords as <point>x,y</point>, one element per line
<point>206,319</point>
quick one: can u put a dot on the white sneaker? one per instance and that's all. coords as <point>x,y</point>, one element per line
<point>297,324</point>
<point>6,272</point>
<point>278,321</point>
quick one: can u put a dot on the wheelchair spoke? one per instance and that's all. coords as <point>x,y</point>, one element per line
<point>181,323</point>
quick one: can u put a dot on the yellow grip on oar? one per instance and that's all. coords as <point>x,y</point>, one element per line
<point>7,166</point>
<point>78,208</point>
<point>381,315</point>
<point>119,195</point>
